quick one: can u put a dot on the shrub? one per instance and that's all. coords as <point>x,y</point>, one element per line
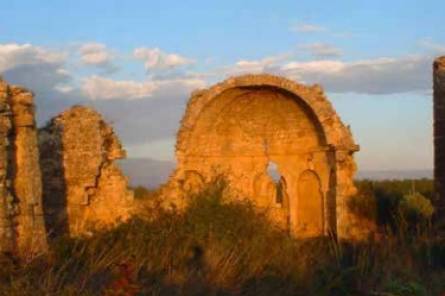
<point>415,212</point>
<point>415,204</point>
<point>364,205</point>
<point>218,246</point>
<point>397,207</point>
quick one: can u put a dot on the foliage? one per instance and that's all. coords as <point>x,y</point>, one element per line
<point>364,205</point>
<point>406,289</point>
<point>224,247</point>
<point>415,204</point>
<point>400,205</point>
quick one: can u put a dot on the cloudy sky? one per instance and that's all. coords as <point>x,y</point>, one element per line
<point>138,61</point>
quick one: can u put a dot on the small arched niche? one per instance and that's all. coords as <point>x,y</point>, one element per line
<point>310,206</point>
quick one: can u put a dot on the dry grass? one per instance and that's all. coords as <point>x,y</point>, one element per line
<point>217,247</point>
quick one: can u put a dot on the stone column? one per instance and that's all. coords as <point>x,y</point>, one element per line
<point>345,189</point>
<point>26,178</point>
<point>439,135</point>
<point>6,199</point>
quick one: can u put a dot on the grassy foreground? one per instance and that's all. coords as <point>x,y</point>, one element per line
<point>217,247</point>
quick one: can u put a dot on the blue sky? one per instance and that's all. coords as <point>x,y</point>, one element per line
<point>137,62</point>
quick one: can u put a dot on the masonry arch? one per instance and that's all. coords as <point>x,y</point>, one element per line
<point>237,127</point>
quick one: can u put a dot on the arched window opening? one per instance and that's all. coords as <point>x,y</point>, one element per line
<point>279,182</point>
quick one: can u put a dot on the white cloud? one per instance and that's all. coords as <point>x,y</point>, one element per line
<point>374,76</point>
<point>322,50</point>
<point>153,118</point>
<point>13,55</point>
<point>253,66</point>
<point>37,68</point>
<point>307,28</point>
<point>154,106</point>
<point>100,88</point>
<point>95,54</point>
<point>64,88</point>
<point>323,66</point>
<point>433,46</point>
<point>250,66</point>
<point>155,59</point>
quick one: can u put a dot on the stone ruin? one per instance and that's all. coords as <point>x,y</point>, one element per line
<point>21,214</point>
<point>82,184</point>
<point>245,126</point>
<point>69,187</point>
<point>278,143</point>
<point>439,134</point>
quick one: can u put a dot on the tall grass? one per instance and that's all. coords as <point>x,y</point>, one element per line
<point>223,247</point>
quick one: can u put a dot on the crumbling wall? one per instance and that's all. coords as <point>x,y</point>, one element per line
<point>22,226</point>
<point>240,127</point>
<point>6,198</point>
<point>83,187</point>
<point>439,135</point>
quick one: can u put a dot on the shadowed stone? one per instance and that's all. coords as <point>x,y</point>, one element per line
<point>439,135</point>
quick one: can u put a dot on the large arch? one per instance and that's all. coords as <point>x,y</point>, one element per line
<point>241,125</point>
<point>311,96</point>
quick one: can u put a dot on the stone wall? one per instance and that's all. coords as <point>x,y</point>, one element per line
<point>244,125</point>
<point>439,134</point>
<point>6,198</point>
<point>83,187</point>
<point>22,226</point>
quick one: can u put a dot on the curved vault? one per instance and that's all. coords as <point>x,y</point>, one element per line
<point>240,126</point>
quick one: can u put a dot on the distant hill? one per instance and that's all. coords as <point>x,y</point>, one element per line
<point>151,172</point>
<point>146,172</point>
<point>394,174</point>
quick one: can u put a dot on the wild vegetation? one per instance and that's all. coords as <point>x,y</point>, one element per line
<point>221,247</point>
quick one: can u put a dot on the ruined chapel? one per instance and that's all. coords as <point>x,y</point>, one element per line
<point>279,143</point>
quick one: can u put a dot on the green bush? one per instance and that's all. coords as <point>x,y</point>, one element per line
<point>397,207</point>
<point>417,206</point>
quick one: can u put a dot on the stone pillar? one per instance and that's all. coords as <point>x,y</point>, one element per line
<point>347,227</point>
<point>22,229</point>
<point>439,135</point>
<point>27,181</point>
<point>6,199</point>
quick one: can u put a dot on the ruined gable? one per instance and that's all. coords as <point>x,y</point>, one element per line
<point>83,186</point>
<point>244,125</point>
<point>22,226</point>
